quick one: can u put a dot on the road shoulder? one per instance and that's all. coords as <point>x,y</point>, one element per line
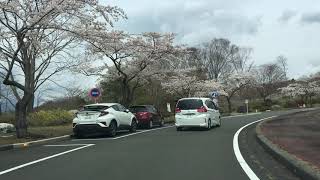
<point>300,167</point>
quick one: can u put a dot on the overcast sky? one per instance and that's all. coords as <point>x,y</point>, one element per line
<point>271,27</point>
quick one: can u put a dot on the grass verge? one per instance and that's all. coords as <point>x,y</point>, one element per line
<point>37,133</point>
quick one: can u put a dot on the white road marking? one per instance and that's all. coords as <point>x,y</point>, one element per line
<point>141,132</point>
<point>42,140</point>
<point>236,149</point>
<point>119,137</point>
<point>64,145</point>
<point>43,159</point>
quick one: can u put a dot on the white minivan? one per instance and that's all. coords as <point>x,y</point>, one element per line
<point>197,112</point>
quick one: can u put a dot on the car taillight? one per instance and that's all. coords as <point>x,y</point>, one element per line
<point>103,113</point>
<point>202,109</point>
<point>144,115</point>
<point>178,110</point>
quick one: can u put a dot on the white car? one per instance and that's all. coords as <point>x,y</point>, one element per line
<point>197,112</point>
<point>103,118</point>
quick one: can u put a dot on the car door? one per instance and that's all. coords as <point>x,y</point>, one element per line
<point>155,115</point>
<point>125,116</point>
<point>216,112</point>
<point>211,111</point>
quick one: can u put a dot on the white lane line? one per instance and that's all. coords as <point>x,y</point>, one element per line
<point>43,159</point>
<point>142,132</point>
<point>236,149</point>
<point>251,114</point>
<point>119,137</point>
<point>64,145</point>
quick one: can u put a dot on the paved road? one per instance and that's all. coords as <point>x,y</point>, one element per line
<point>160,154</point>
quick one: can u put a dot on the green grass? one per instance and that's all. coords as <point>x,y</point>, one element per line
<point>36,133</point>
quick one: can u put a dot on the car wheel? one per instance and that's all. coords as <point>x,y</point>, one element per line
<point>78,135</point>
<point>133,127</point>
<point>219,122</point>
<point>179,128</point>
<point>161,123</point>
<point>150,125</point>
<point>209,124</point>
<point>112,129</point>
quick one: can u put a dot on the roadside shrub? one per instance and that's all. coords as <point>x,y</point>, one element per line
<point>276,107</point>
<point>7,118</point>
<point>50,118</point>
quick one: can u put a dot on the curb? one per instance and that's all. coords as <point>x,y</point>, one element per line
<point>301,168</point>
<point>34,143</point>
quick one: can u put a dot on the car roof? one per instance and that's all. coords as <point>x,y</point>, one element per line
<point>200,98</point>
<point>142,106</point>
<point>103,104</point>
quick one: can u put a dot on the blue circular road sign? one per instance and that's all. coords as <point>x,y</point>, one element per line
<point>95,92</point>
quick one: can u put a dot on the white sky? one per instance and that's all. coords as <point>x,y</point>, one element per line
<point>271,27</point>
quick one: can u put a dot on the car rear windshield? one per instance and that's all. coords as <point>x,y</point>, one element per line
<point>94,108</point>
<point>138,109</point>
<point>188,104</point>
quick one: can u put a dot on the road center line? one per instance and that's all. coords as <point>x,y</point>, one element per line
<point>236,149</point>
<point>43,159</point>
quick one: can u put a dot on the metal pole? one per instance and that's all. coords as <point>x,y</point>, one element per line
<point>247,108</point>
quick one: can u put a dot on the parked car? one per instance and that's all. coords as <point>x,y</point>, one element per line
<point>197,112</point>
<point>147,115</point>
<point>103,118</point>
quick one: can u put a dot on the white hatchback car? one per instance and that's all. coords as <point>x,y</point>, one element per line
<point>197,112</point>
<point>103,118</point>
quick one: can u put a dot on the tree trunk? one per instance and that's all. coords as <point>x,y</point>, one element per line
<point>310,101</point>
<point>21,118</point>
<point>127,94</point>
<point>229,104</point>
<point>30,105</point>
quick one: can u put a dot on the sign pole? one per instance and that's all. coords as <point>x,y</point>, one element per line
<point>247,105</point>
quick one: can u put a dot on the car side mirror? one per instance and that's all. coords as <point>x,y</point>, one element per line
<point>127,110</point>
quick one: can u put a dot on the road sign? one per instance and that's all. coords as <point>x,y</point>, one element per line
<point>246,101</point>
<point>95,93</point>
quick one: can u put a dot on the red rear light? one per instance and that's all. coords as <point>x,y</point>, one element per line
<point>202,109</point>
<point>178,110</point>
<point>144,115</point>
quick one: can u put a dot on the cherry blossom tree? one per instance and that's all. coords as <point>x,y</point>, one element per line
<point>134,57</point>
<point>303,89</point>
<point>36,39</point>
<point>234,83</point>
<point>185,83</point>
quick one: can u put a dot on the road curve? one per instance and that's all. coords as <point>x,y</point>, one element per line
<point>158,154</point>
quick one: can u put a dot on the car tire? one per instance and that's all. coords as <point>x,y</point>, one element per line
<point>133,127</point>
<point>150,125</point>
<point>78,135</point>
<point>219,125</point>
<point>161,123</point>
<point>179,128</point>
<point>209,124</point>
<point>112,129</point>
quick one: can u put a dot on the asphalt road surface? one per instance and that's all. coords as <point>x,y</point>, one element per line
<point>159,154</point>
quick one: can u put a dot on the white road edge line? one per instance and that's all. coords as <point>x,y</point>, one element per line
<point>64,145</point>
<point>43,159</point>
<point>142,132</point>
<point>236,149</point>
